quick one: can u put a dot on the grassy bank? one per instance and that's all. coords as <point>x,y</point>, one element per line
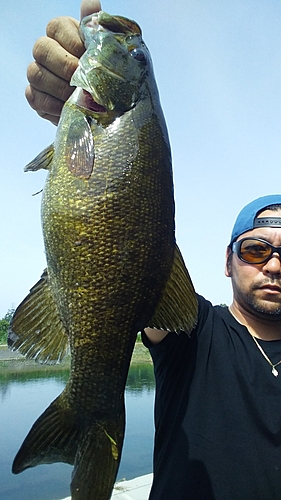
<point>12,362</point>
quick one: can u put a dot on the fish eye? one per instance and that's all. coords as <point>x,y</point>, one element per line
<point>138,54</point>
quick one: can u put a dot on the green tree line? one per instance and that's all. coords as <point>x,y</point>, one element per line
<point>4,325</point>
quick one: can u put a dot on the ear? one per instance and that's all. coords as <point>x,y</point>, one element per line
<point>228,263</point>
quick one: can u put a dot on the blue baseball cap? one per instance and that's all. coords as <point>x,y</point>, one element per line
<point>246,218</point>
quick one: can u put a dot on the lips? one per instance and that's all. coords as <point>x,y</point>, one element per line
<point>271,288</point>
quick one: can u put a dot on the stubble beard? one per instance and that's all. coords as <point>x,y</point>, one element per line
<point>263,308</point>
<point>259,307</point>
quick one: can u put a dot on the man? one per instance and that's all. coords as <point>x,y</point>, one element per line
<point>218,390</point>
<point>218,422</point>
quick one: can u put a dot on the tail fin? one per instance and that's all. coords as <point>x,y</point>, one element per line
<point>97,461</point>
<point>93,447</point>
<point>52,438</point>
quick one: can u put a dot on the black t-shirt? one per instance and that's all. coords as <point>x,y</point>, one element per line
<point>217,413</point>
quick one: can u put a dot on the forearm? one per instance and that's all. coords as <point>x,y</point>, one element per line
<point>155,336</point>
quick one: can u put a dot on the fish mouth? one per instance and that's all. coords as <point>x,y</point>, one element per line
<point>91,104</point>
<point>86,100</point>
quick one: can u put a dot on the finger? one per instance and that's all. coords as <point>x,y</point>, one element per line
<point>47,106</point>
<point>45,81</point>
<point>89,7</point>
<point>65,30</point>
<point>50,54</point>
<point>51,118</point>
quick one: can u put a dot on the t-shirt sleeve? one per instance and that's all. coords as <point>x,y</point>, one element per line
<point>173,339</point>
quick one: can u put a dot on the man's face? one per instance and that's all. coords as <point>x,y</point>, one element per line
<point>257,287</point>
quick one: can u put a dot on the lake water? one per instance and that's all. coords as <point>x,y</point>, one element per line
<point>24,396</point>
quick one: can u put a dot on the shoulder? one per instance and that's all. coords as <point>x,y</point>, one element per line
<point>208,314</point>
<point>211,320</point>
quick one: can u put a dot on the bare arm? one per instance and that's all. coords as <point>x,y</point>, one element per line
<point>55,60</point>
<point>155,336</point>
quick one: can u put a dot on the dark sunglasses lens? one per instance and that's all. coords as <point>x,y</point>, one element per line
<point>254,251</point>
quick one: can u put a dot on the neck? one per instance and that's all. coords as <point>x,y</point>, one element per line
<point>259,327</point>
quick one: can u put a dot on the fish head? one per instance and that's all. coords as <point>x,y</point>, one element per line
<point>115,72</point>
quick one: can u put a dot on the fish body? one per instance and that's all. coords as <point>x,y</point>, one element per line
<point>113,266</point>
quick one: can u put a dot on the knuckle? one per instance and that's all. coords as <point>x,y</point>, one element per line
<point>42,81</point>
<point>29,72</point>
<point>43,103</point>
<point>68,67</point>
<point>53,27</point>
<point>65,92</point>
<point>41,49</point>
<point>65,31</point>
<point>28,95</point>
<point>49,54</point>
<point>32,97</point>
<point>34,74</point>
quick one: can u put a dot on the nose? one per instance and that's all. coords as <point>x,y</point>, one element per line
<point>273,265</point>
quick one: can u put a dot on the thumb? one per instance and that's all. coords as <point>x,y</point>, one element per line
<point>89,7</point>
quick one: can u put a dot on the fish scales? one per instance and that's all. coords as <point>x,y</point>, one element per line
<point>113,243</point>
<point>113,266</point>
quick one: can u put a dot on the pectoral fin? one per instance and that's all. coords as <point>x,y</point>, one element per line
<point>36,329</point>
<point>178,307</point>
<point>79,147</point>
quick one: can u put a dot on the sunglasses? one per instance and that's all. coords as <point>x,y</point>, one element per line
<point>254,250</point>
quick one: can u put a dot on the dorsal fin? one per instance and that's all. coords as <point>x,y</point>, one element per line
<point>177,309</point>
<point>36,329</point>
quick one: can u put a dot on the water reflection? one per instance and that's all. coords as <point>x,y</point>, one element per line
<point>4,391</point>
<point>25,395</point>
<point>140,378</point>
<point>11,379</point>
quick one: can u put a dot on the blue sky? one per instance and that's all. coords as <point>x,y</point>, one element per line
<point>218,69</point>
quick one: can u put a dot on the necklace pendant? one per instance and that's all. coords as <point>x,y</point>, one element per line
<point>274,371</point>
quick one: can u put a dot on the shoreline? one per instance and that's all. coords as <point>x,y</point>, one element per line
<point>13,361</point>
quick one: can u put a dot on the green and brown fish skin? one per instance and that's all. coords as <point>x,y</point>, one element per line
<point>113,266</point>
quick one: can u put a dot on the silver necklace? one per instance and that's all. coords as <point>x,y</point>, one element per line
<point>273,371</point>
<point>273,366</point>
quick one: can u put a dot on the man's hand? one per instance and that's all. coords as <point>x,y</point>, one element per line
<point>56,58</point>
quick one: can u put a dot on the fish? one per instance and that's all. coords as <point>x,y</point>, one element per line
<point>113,265</point>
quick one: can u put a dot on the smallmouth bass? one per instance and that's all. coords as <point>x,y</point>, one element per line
<point>113,266</point>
